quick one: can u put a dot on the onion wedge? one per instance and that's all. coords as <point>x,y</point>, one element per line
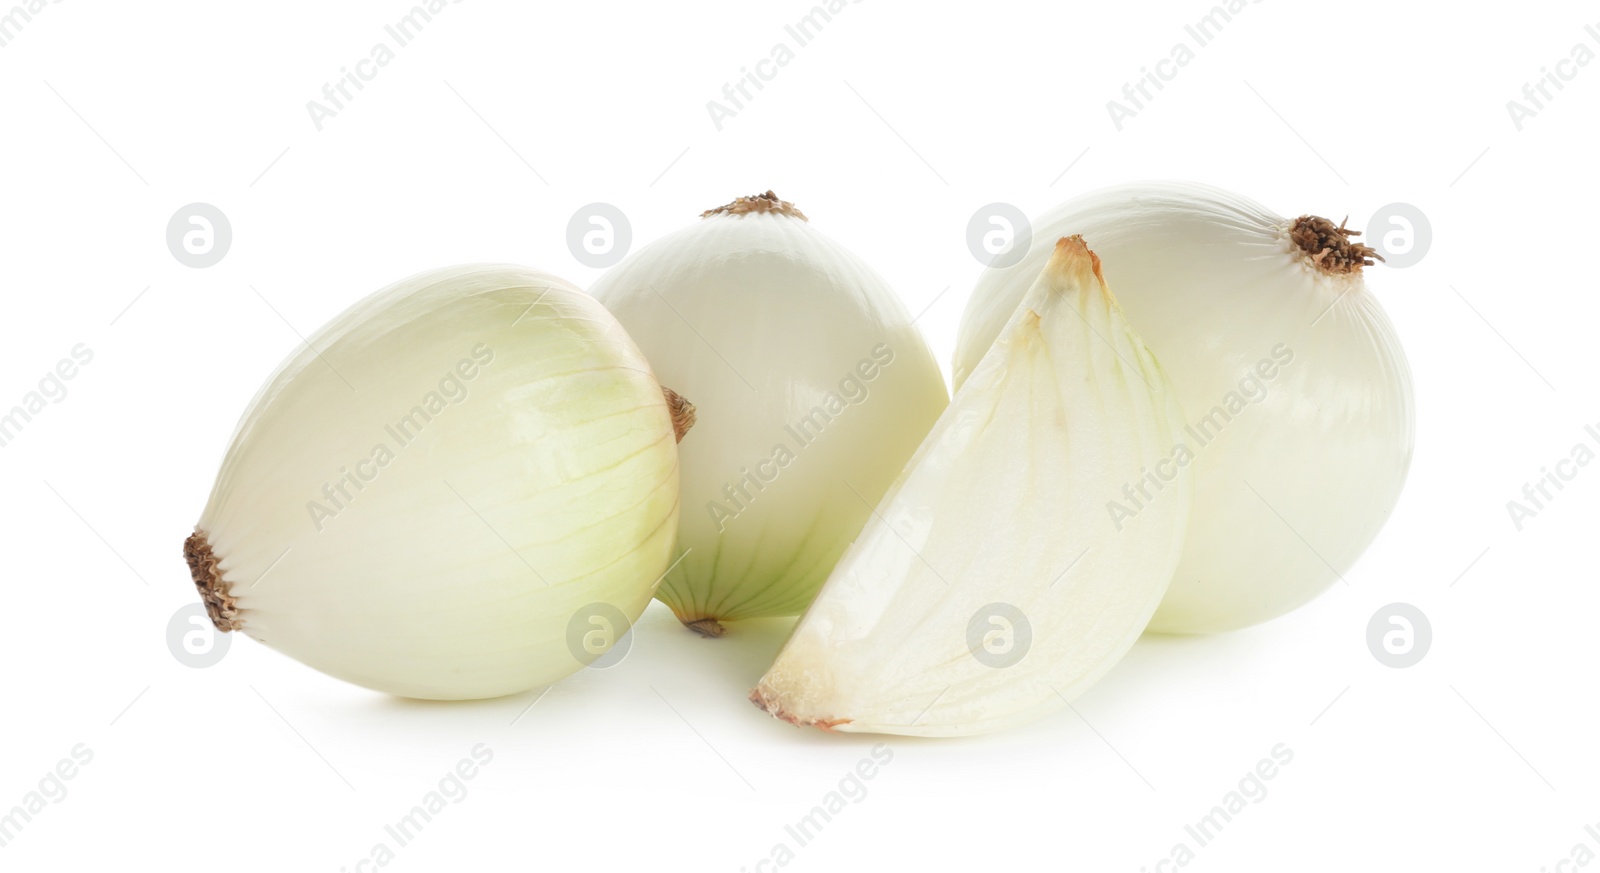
<point>994,583</point>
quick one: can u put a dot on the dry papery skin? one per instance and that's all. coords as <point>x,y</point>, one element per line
<point>1329,245</point>
<point>768,202</point>
<point>221,606</point>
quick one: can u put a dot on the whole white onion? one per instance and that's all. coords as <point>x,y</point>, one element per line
<point>1296,390</point>
<point>813,388</point>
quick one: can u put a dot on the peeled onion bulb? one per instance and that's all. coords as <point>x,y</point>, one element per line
<point>465,486</point>
<point>814,387</point>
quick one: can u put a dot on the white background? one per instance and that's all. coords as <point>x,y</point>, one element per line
<point>890,129</point>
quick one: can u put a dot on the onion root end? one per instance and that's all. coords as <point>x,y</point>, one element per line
<point>203,568</point>
<point>768,703</point>
<point>706,627</point>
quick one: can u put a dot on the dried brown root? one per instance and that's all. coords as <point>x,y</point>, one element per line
<point>1330,246</point>
<point>706,627</point>
<point>220,605</point>
<point>766,202</point>
<point>682,410</point>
